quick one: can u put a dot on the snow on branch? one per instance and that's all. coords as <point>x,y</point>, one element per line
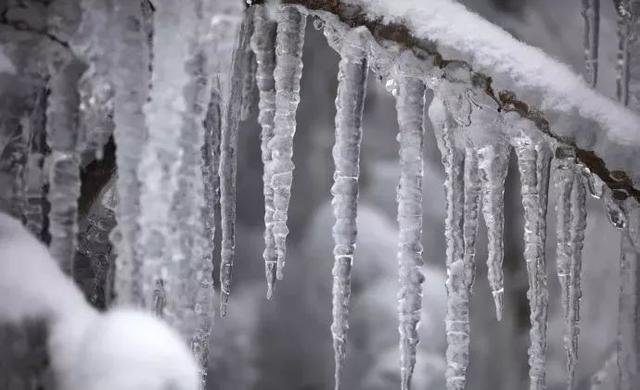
<point>604,134</point>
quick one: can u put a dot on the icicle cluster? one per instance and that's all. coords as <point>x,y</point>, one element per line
<point>352,79</point>
<point>571,215</point>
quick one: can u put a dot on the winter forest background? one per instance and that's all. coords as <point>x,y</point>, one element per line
<point>285,343</point>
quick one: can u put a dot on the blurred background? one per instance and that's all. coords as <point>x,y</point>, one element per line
<point>286,343</point>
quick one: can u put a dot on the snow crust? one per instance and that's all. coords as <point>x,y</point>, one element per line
<point>528,70</point>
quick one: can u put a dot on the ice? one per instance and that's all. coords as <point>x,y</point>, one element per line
<point>628,66</point>
<point>493,165</point>
<point>64,165</point>
<point>460,273</point>
<point>131,79</point>
<point>591,15</point>
<point>627,344</point>
<point>410,105</point>
<point>352,80</point>
<point>228,161</point>
<point>527,70</point>
<point>263,43</point>
<point>34,176</point>
<point>533,163</point>
<point>93,44</point>
<point>570,228</point>
<point>288,72</point>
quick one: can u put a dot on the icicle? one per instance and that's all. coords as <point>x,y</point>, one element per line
<point>352,79</point>
<point>459,273</point>
<point>288,72</point>
<point>628,67</point>
<point>571,224</point>
<point>410,104</point>
<point>494,163</point>
<point>228,164</point>
<point>92,43</point>
<point>131,79</point>
<point>533,163</point>
<point>591,15</point>
<point>34,175</point>
<point>628,341</point>
<point>250,67</point>
<point>263,43</point>
<point>178,277</point>
<point>64,167</point>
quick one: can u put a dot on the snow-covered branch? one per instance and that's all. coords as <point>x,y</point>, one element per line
<point>606,140</point>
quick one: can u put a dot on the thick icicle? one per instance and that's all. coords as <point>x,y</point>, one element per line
<point>494,163</point>
<point>570,227</point>
<point>229,161</point>
<point>459,273</point>
<point>64,165</point>
<point>591,15</point>
<point>131,78</point>
<point>288,72</point>
<point>410,104</point>
<point>352,79</point>
<point>533,163</point>
<point>628,341</point>
<point>263,43</point>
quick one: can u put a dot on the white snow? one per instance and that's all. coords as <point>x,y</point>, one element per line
<point>122,349</point>
<point>526,69</point>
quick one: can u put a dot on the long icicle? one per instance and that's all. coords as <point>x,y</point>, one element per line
<point>263,43</point>
<point>288,72</point>
<point>410,105</point>
<point>570,226</point>
<point>64,166</point>
<point>578,227</point>
<point>34,175</point>
<point>628,340</point>
<point>494,163</point>
<point>533,164</point>
<point>191,246</point>
<point>352,79</point>
<point>131,78</point>
<point>591,15</point>
<point>229,162</point>
<point>459,273</point>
